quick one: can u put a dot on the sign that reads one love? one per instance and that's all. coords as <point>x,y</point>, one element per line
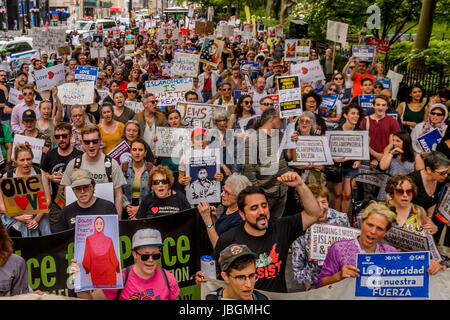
<point>23,195</point>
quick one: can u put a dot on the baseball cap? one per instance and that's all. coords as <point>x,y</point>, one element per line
<point>147,237</point>
<point>198,132</point>
<point>29,115</point>
<point>231,253</point>
<point>81,177</point>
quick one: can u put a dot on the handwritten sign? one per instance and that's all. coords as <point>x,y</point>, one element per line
<point>168,35</point>
<point>35,144</point>
<point>50,77</point>
<point>185,64</point>
<point>72,93</point>
<point>197,114</point>
<point>312,149</point>
<point>23,195</point>
<point>172,141</point>
<point>381,45</point>
<point>290,97</point>
<point>169,91</point>
<point>204,27</point>
<point>351,145</point>
<point>136,106</point>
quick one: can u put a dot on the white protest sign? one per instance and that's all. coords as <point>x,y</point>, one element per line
<point>167,35</point>
<point>290,97</point>
<point>15,96</point>
<point>49,77</point>
<point>185,64</point>
<point>396,79</point>
<point>197,114</point>
<point>296,50</point>
<point>444,204</point>
<point>169,91</point>
<point>225,31</point>
<point>72,93</point>
<point>337,31</point>
<point>103,191</point>
<point>312,150</point>
<point>172,141</point>
<point>35,144</point>
<point>95,53</point>
<point>310,72</point>
<point>136,106</point>
<point>351,145</point>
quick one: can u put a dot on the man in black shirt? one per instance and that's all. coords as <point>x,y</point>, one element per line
<point>83,185</point>
<point>54,164</point>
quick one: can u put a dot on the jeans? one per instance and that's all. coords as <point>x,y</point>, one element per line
<point>42,230</point>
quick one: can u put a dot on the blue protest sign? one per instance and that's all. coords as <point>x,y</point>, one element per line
<point>393,275</point>
<point>346,95</point>
<point>386,82</point>
<point>429,141</point>
<point>328,106</point>
<point>365,101</point>
<point>86,73</point>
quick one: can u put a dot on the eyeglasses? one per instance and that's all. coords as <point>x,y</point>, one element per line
<point>227,193</point>
<point>77,115</point>
<point>146,256</point>
<point>27,93</point>
<point>247,102</point>
<point>227,89</point>
<point>157,182</point>
<point>81,188</point>
<point>338,78</point>
<point>436,114</point>
<point>442,173</point>
<point>400,192</point>
<point>253,277</point>
<point>267,104</point>
<point>64,136</point>
<point>305,121</point>
<point>88,142</point>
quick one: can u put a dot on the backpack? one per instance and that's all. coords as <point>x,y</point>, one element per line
<point>10,172</point>
<point>127,272</point>
<point>108,165</point>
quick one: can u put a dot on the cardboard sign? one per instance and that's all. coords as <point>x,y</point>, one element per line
<point>50,77</point>
<point>429,141</point>
<point>185,64</point>
<point>35,144</point>
<point>203,28</point>
<point>211,52</point>
<point>381,45</point>
<point>197,114</point>
<point>121,153</point>
<point>172,142</point>
<point>312,150</point>
<point>72,93</point>
<point>352,145</point>
<point>296,50</point>
<point>394,275</point>
<point>169,91</point>
<point>364,53</point>
<point>290,97</point>
<point>15,96</point>
<point>64,51</point>
<point>337,31</point>
<point>24,195</point>
<point>86,73</point>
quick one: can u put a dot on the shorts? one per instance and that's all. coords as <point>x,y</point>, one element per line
<point>349,172</point>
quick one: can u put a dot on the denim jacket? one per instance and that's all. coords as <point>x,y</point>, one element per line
<point>128,188</point>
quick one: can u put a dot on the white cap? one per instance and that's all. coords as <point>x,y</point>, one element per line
<point>147,237</point>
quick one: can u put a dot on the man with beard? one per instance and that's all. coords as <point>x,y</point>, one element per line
<point>54,164</point>
<point>269,240</point>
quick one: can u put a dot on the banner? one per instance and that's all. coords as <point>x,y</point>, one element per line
<point>186,64</point>
<point>121,153</point>
<point>296,50</point>
<point>290,97</point>
<point>169,91</point>
<point>86,73</point>
<point>211,51</point>
<point>172,141</point>
<point>393,275</point>
<point>312,150</point>
<point>351,145</point>
<point>35,144</point>
<point>429,141</point>
<point>184,237</point>
<point>337,31</point>
<point>364,53</point>
<point>197,114</point>
<point>72,93</point>
<point>49,77</point>
<point>381,45</point>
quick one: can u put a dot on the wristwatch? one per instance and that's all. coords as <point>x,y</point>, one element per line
<point>209,226</point>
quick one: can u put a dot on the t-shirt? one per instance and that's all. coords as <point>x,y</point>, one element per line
<point>357,82</point>
<point>67,216</point>
<point>154,288</point>
<point>6,138</point>
<point>272,248</point>
<point>379,131</point>
<point>54,162</point>
<point>14,277</point>
<point>422,198</point>
<point>228,221</point>
<point>153,206</point>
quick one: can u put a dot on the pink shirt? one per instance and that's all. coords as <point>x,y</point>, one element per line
<point>16,116</point>
<point>154,288</point>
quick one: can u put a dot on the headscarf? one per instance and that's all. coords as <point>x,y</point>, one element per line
<point>428,126</point>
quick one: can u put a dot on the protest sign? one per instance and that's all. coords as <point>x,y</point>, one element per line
<point>64,51</point>
<point>15,96</point>
<point>72,93</point>
<point>168,35</point>
<point>290,97</point>
<point>381,45</point>
<point>169,91</point>
<point>201,166</point>
<point>337,31</point>
<point>225,31</point>
<point>396,79</point>
<point>310,72</point>
<point>444,203</point>
<point>104,191</point>
<point>185,64</point>
<point>364,53</point>
<point>121,153</point>
<point>184,237</point>
<point>373,177</point>
<point>24,195</point>
<point>136,106</point>
<point>351,145</point>
<point>250,68</point>
<point>115,32</point>
<point>85,73</point>
<point>98,53</point>
<point>312,150</point>
<point>366,101</point>
<point>429,141</point>
<point>97,41</point>
<point>324,235</point>
<point>197,114</point>
<point>385,81</point>
<point>211,51</point>
<point>393,275</point>
<point>328,106</point>
<point>50,77</point>
<point>129,46</point>
<point>346,95</point>
<point>203,28</point>
<point>97,251</point>
<point>172,141</point>
<point>35,144</point>
<point>296,50</point>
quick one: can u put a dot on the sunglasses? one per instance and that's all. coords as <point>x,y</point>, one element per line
<point>400,192</point>
<point>227,89</point>
<point>378,87</point>
<point>338,78</point>
<point>131,91</point>
<point>247,102</point>
<point>28,93</point>
<point>267,104</point>
<point>157,182</point>
<point>442,173</point>
<point>64,136</point>
<point>436,114</point>
<point>153,101</point>
<point>332,90</point>
<point>146,256</point>
<point>88,142</point>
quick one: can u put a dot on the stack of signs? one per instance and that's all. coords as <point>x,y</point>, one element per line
<point>201,166</point>
<point>172,142</point>
<point>185,64</point>
<point>86,73</point>
<point>36,145</point>
<point>167,35</point>
<point>337,31</point>
<point>296,50</point>
<point>50,77</point>
<point>366,101</point>
<point>169,91</point>
<point>290,98</point>
<point>72,93</point>
<point>197,114</point>
<point>381,45</point>
<point>351,145</point>
<point>312,150</point>
<point>328,106</point>
<point>211,51</point>
<point>364,53</point>
<point>310,72</point>
<point>429,141</point>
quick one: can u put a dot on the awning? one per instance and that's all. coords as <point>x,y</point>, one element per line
<point>115,9</point>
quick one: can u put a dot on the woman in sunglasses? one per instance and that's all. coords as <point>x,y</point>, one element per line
<point>437,117</point>
<point>162,199</point>
<point>331,114</point>
<point>242,117</point>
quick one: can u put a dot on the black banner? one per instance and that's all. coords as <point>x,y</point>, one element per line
<point>185,241</point>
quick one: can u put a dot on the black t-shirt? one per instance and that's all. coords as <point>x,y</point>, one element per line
<point>153,206</point>
<point>67,216</point>
<point>422,198</point>
<point>272,249</point>
<point>53,162</point>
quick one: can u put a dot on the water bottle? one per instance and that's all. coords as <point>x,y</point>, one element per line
<point>208,267</point>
